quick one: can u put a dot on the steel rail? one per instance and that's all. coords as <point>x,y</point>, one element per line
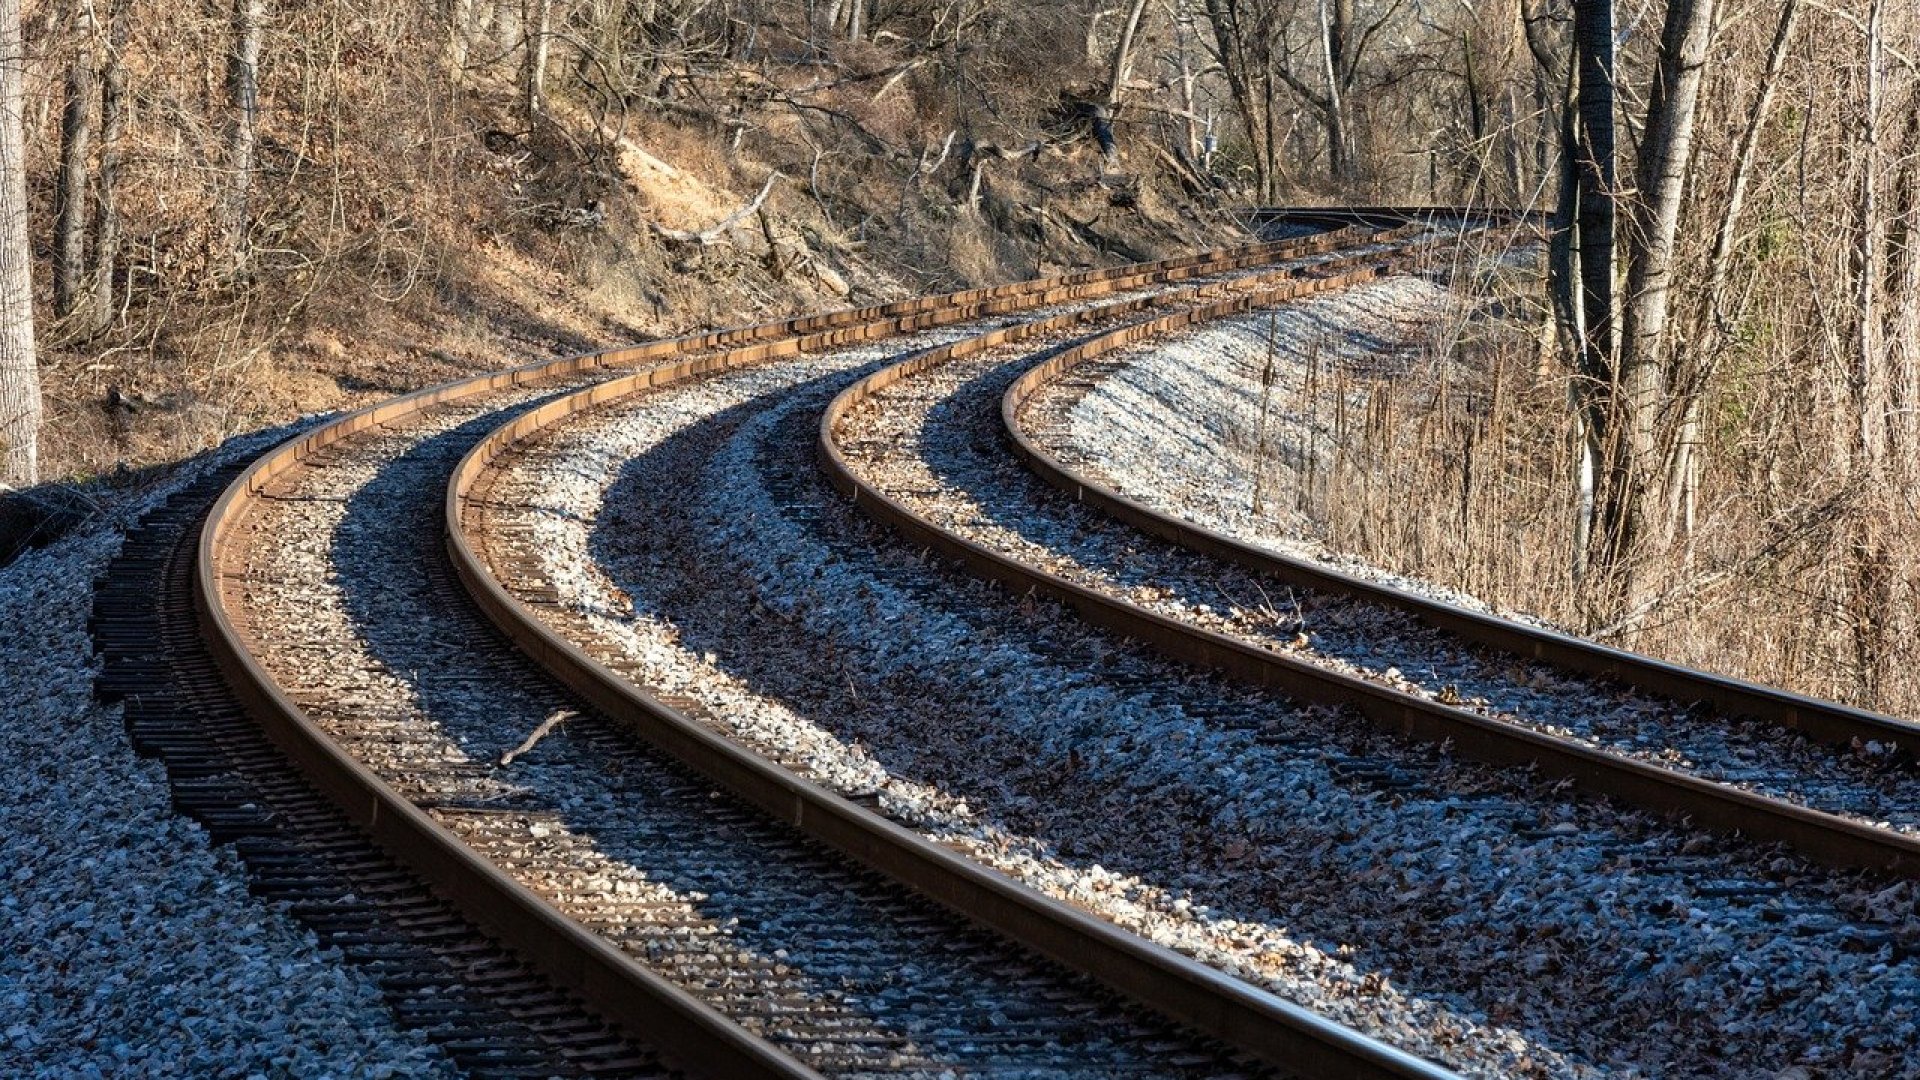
<point>1175,985</point>
<point>1825,721</point>
<point>614,985</point>
<point>1822,837</point>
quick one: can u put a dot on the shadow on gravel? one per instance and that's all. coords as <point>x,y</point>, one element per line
<point>1442,881</point>
<point>39,516</point>
<point>956,731</point>
<point>738,871</point>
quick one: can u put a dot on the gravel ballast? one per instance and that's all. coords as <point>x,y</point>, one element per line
<point>128,945</point>
<point>1502,928</point>
<point>356,616</point>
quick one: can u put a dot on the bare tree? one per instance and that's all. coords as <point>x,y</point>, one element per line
<point>1242,51</point>
<point>538,24</point>
<point>71,212</point>
<point>19,367</point>
<point>113,124</point>
<point>243,110</point>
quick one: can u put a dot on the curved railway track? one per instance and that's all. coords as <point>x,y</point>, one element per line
<point>1831,807</point>
<point>1868,829</point>
<point>349,585</point>
<point>423,796</point>
<point>747,431</point>
<point>1189,992</point>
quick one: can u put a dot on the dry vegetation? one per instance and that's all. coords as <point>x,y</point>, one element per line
<point>1447,456</point>
<point>1716,454</point>
<point>409,222</point>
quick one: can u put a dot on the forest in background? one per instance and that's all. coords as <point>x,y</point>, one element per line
<point>223,214</point>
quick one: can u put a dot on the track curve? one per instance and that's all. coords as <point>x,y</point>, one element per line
<point>619,989</point>
<point>1821,836</point>
<point>1174,985</point>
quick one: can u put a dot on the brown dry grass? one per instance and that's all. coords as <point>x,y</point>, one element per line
<point>407,231</point>
<point>1451,458</point>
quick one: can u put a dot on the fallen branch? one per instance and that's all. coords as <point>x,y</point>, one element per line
<point>541,732</point>
<point>708,236</point>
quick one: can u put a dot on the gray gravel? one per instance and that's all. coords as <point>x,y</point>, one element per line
<point>128,946</point>
<point>935,442</point>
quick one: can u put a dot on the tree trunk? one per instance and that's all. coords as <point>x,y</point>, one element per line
<point>1336,24</point>
<point>460,19</point>
<point>113,123</point>
<point>19,370</point>
<point>70,277</point>
<point>1476,118</point>
<point>1717,264</point>
<point>538,21</point>
<point>1122,59</point>
<point>1588,262</point>
<point>1123,54</point>
<point>1871,577</point>
<point>1224,17</point>
<point>1666,153</point>
<point>243,110</point>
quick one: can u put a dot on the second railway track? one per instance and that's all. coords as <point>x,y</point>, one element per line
<point>1344,642</point>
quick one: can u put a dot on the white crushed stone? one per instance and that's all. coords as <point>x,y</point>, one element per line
<point>1170,427</point>
<point>1168,424</point>
<point>128,946</point>
<point>1505,930</point>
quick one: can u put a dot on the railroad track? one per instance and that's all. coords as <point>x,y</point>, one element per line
<point>701,628</point>
<point>339,634</point>
<point>761,932</point>
<point>1834,782</point>
<point>1458,686</point>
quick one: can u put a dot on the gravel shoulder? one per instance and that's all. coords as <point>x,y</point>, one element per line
<point>128,945</point>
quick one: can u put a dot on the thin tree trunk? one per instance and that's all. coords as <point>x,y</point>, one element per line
<point>533,72</point>
<point>1594,176</point>
<point>243,107</point>
<point>1476,116</point>
<point>1270,144</point>
<point>459,37</point>
<point>1718,262</point>
<point>1123,54</point>
<point>113,123</point>
<point>1224,17</point>
<point>1335,21</point>
<point>1666,154</point>
<point>19,370</point>
<point>1868,380</point>
<point>70,277</point>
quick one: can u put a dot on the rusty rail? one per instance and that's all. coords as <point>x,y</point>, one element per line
<point>1826,721</point>
<point>1173,984</point>
<point>617,988</point>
